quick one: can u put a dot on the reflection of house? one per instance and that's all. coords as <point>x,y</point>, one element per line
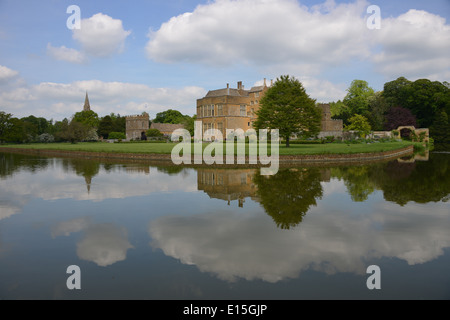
<point>166,128</point>
<point>137,126</point>
<point>227,184</point>
<point>231,108</point>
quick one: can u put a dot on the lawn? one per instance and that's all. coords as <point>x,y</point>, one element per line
<point>166,148</point>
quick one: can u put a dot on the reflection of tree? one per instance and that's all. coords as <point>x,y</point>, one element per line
<point>357,180</point>
<point>421,181</point>
<point>288,195</point>
<point>10,163</point>
<point>429,181</point>
<point>171,170</point>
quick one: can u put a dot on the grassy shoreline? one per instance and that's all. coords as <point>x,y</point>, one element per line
<point>166,148</point>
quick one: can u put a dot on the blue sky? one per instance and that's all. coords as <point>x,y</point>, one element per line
<point>135,56</point>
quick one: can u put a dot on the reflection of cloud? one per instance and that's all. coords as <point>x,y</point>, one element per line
<point>121,184</point>
<point>248,246</point>
<point>67,227</point>
<point>104,244</point>
<point>7,211</point>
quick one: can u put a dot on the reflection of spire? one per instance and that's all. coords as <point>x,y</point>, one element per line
<point>88,180</point>
<point>87,106</point>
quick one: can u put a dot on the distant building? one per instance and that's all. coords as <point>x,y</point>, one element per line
<point>166,128</point>
<point>137,126</point>
<point>328,126</point>
<point>87,106</point>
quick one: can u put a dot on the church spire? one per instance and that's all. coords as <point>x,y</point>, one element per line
<point>87,106</point>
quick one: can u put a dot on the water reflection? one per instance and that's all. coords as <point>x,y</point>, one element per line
<point>336,219</point>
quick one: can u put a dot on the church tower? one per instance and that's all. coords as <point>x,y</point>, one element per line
<point>87,106</point>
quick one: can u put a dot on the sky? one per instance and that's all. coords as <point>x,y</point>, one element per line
<point>136,56</point>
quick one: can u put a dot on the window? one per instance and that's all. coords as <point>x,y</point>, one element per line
<point>220,127</point>
<point>252,102</point>
<point>212,110</point>
<point>220,110</point>
<point>256,94</point>
<point>243,111</point>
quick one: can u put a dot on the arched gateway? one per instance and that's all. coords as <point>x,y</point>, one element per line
<point>421,135</point>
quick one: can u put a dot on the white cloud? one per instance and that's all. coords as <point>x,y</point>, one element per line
<point>66,54</point>
<point>6,74</point>
<point>101,35</point>
<point>60,100</point>
<point>263,32</point>
<point>283,36</point>
<point>415,44</point>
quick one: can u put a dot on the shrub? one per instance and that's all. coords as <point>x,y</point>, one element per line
<point>116,135</point>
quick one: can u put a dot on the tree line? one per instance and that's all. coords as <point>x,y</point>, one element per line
<point>82,126</point>
<point>422,103</point>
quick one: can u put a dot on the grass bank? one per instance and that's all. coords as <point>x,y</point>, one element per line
<point>166,148</point>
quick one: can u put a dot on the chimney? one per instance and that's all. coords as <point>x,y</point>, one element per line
<point>228,89</point>
<point>239,85</point>
<point>271,82</point>
<point>264,82</point>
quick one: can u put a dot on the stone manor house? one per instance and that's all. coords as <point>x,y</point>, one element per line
<point>235,108</point>
<point>228,108</point>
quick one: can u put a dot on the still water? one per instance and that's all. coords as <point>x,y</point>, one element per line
<point>140,231</point>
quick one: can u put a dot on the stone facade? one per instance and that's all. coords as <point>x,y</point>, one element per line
<point>328,124</point>
<point>231,108</point>
<point>166,128</point>
<point>137,126</point>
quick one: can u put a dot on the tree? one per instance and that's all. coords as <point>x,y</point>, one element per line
<point>337,108</point>
<point>5,124</point>
<point>76,132</point>
<point>440,131</point>
<point>360,124</point>
<point>88,118</point>
<point>105,126</point>
<point>14,131</point>
<point>286,107</point>
<point>170,116</point>
<point>396,92</point>
<point>377,110</point>
<point>358,97</point>
<point>399,116</point>
<point>154,133</point>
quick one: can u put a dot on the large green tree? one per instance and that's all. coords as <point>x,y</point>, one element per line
<point>287,107</point>
<point>358,97</point>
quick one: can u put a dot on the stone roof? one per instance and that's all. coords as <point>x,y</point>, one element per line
<point>256,89</point>
<point>166,127</point>
<point>227,92</point>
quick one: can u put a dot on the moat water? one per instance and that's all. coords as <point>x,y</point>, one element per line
<point>139,231</point>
